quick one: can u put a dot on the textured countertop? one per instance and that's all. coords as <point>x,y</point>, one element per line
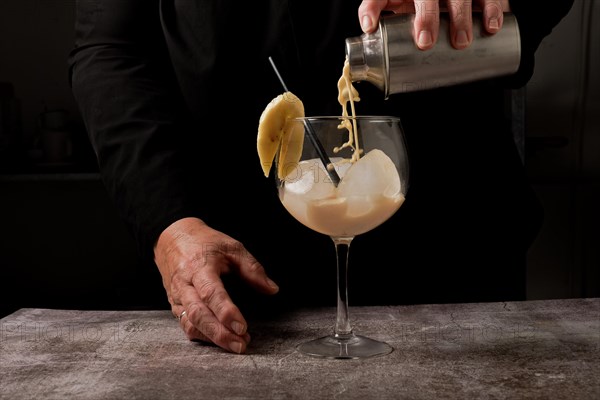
<point>518,350</point>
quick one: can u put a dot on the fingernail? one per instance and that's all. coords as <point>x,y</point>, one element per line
<point>493,24</point>
<point>425,39</point>
<point>272,284</point>
<point>236,347</point>
<point>238,327</point>
<point>461,38</point>
<point>366,23</point>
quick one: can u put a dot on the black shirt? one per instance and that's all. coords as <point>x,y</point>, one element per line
<point>171,92</point>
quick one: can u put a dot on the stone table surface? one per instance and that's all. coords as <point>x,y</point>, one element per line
<point>546,349</point>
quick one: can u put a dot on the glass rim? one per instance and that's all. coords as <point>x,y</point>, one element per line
<point>339,118</point>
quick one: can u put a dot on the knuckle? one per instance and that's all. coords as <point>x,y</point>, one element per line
<point>460,12</point>
<point>176,292</point>
<point>210,252</point>
<point>195,312</point>
<point>178,282</point>
<point>226,310</point>
<point>368,7</point>
<point>255,267</point>
<point>223,308</point>
<point>236,251</point>
<point>207,291</point>
<point>493,7</point>
<point>223,252</point>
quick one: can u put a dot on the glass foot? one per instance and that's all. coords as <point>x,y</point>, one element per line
<point>352,346</point>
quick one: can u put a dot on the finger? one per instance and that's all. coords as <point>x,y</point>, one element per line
<point>191,332</point>
<point>211,292</point>
<point>427,23</point>
<point>368,14</point>
<point>199,321</point>
<point>194,334</point>
<point>369,11</point>
<point>203,284</point>
<point>493,15</point>
<point>461,23</point>
<point>190,329</point>
<point>250,270</point>
<point>204,324</point>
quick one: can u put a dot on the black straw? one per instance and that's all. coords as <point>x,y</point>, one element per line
<point>335,178</point>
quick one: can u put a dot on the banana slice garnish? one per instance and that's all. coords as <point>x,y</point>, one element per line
<point>274,134</point>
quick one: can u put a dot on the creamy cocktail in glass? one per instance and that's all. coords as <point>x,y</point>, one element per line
<point>372,167</point>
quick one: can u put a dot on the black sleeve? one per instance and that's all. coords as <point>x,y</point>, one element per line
<point>124,85</point>
<point>536,21</point>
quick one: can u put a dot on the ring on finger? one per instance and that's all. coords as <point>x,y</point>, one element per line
<point>181,315</point>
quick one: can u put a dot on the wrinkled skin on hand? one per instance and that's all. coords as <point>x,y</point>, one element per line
<point>192,257</point>
<point>427,14</point>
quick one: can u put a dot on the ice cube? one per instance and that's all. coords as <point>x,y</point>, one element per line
<point>310,180</point>
<point>327,216</point>
<point>373,174</point>
<point>360,205</point>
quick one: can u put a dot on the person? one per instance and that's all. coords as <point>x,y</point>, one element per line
<point>171,91</point>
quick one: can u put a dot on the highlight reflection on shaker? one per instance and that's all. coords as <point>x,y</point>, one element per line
<point>389,59</point>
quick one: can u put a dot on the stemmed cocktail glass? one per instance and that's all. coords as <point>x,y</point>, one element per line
<point>368,154</point>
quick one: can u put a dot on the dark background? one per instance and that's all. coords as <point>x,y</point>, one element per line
<point>63,246</point>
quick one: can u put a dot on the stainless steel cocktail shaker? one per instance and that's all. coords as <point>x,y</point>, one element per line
<point>390,60</point>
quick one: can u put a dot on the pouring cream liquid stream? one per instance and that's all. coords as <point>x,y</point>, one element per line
<point>348,94</point>
<point>368,194</point>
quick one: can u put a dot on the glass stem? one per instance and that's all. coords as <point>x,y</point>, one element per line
<point>342,324</point>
